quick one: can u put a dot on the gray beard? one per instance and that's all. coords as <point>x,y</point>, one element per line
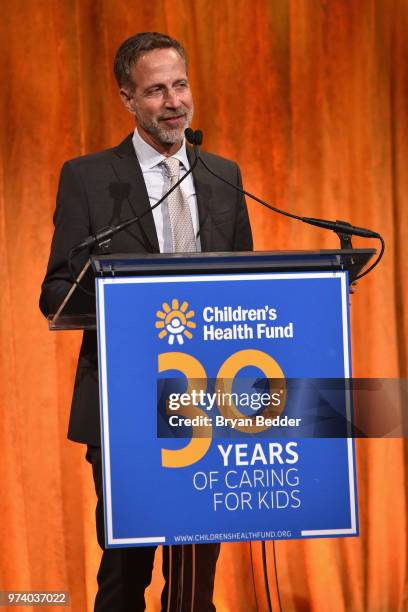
<point>166,135</point>
<point>169,136</point>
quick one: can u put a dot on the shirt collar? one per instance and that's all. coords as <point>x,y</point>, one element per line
<point>148,156</point>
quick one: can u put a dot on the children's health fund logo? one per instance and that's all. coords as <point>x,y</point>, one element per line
<point>175,322</point>
<point>223,323</point>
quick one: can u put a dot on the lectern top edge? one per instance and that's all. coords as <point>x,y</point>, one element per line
<point>73,316</point>
<point>353,260</point>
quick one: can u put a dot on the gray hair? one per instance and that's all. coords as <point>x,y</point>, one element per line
<point>132,48</point>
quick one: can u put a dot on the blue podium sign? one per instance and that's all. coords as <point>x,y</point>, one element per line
<point>203,437</point>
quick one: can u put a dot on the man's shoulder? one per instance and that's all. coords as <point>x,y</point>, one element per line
<point>101,157</point>
<point>218,163</point>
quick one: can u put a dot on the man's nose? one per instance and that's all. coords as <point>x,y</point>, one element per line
<point>172,99</point>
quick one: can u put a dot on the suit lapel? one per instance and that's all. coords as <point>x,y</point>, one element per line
<point>204,195</point>
<point>127,169</point>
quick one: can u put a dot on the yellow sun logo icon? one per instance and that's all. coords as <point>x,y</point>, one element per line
<point>173,321</point>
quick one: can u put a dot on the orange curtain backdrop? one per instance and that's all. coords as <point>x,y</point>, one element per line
<point>310,97</point>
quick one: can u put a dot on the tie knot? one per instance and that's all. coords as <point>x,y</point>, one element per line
<point>173,166</point>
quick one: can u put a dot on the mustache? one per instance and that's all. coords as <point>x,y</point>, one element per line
<point>178,115</point>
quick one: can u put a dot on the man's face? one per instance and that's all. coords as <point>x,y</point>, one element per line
<point>161,101</point>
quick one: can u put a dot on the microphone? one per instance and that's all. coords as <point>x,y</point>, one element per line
<point>341,227</point>
<point>195,138</point>
<point>107,233</point>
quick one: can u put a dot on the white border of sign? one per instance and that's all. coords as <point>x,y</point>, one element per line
<point>100,313</point>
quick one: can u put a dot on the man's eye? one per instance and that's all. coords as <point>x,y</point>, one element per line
<point>154,92</point>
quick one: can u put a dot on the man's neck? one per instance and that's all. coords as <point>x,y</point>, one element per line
<point>165,149</point>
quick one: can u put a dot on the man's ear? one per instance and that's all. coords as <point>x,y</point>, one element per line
<point>127,99</point>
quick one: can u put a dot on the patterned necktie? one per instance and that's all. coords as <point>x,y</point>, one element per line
<point>179,212</point>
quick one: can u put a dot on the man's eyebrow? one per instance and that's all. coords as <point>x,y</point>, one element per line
<point>164,86</point>
<point>155,85</point>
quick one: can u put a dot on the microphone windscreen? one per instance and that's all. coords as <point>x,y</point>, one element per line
<point>190,135</point>
<point>198,137</point>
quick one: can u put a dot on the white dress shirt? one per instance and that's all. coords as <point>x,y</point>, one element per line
<point>158,182</point>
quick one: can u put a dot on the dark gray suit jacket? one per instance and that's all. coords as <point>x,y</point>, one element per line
<point>106,188</point>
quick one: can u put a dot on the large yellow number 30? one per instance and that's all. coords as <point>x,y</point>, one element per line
<point>197,380</point>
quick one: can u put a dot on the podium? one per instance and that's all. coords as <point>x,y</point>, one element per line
<point>211,370</point>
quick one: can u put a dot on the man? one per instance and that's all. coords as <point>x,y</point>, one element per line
<point>105,188</point>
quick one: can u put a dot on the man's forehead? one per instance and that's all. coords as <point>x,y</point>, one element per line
<point>159,62</point>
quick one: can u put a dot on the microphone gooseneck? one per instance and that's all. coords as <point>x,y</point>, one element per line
<point>105,234</point>
<point>108,232</point>
<point>195,138</point>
